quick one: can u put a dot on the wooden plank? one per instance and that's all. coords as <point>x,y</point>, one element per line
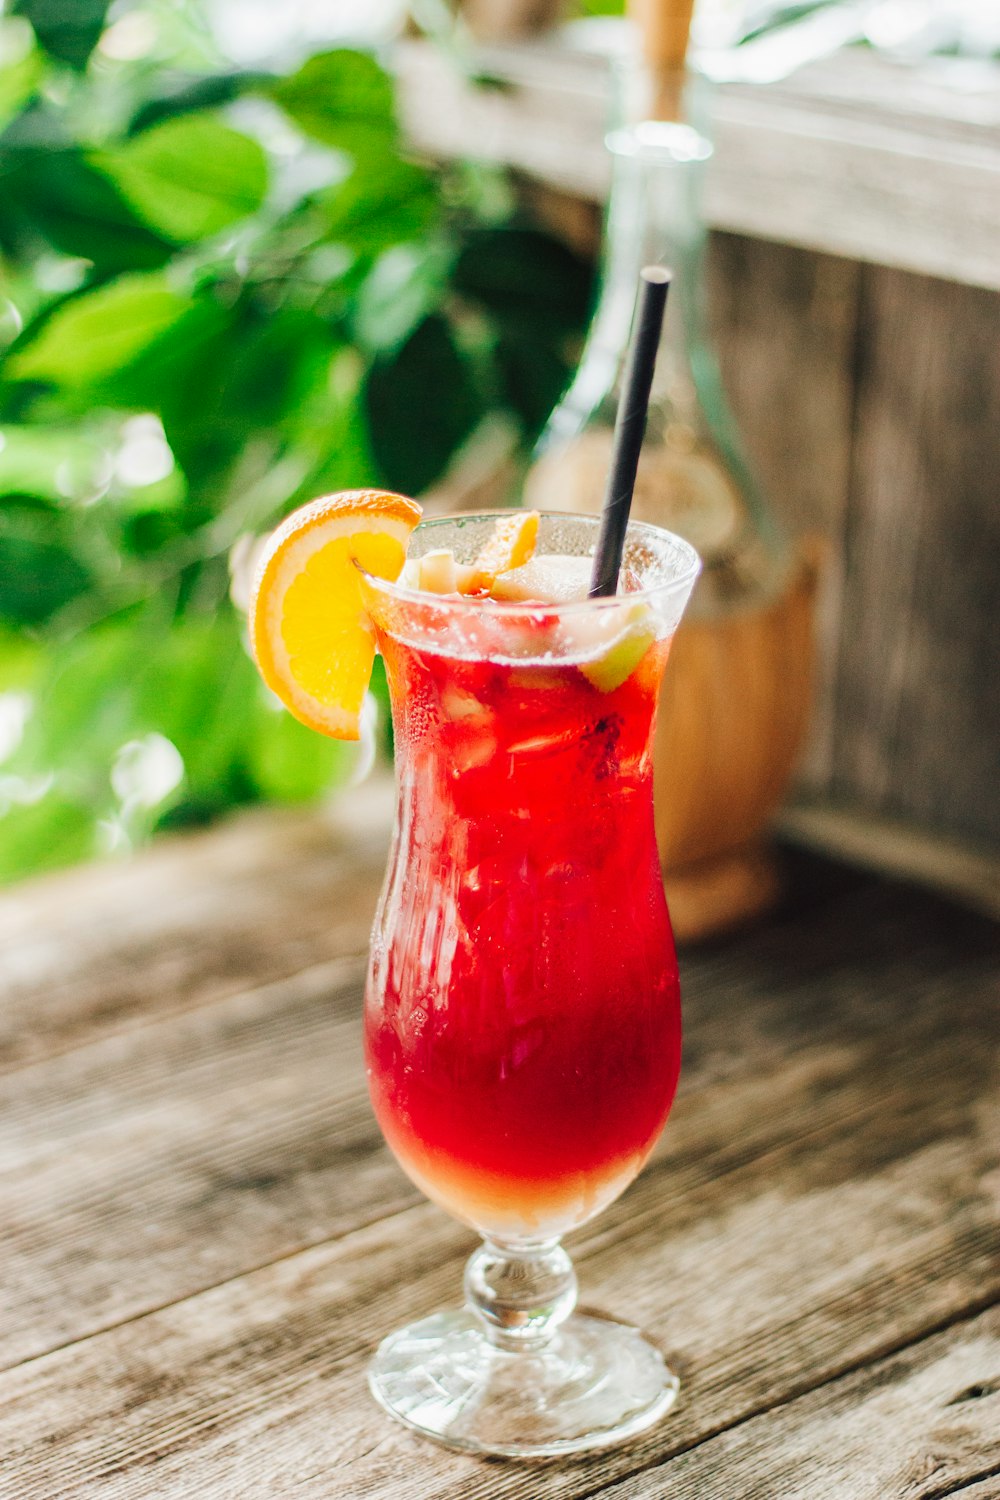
<point>917,735</point>
<point>783,322</point>
<point>152,1164</point>
<point>257,1386</point>
<point>149,1164</point>
<point>252,1388</point>
<point>922,1425</point>
<point>857,188</point>
<point>540,112</point>
<point>947,96</point>
<point>896,849</point>
<point>855,156</point>
<point>89,953</point>
<point>987,1490</point>
<point>825,1194</point>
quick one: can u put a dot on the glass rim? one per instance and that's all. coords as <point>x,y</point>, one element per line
<point>679,582</point>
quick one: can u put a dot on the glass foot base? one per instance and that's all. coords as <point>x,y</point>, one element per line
<point>595,1383</point>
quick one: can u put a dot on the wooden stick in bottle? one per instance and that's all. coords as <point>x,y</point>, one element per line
<point>664,27</point>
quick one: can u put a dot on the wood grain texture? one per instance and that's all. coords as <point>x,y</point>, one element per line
<point>783,322</point>
<point>158,1162</point>
<point>258,1386</point>
<point>922,1425</point>
<point>985,1490</point>
<point>856,185</point>
<point>853,155</point>
<point>83,957</point>
<point>784,325</point>
<point>918,690</point>
<point>898,849</point>
<point>206,1235</point>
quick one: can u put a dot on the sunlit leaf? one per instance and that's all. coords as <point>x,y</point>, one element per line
<point>333,427</point>
<point>177,365</point>
<point>19,77</point>
<point>83,712</point>
<point>46,834</point>
<point>58,197</point>
<point>91,336</point>
<point>80,720</point>
<point>20,659</point>
<point>185,96</point>
<point>52,462</point>
<point>195,688</point>
<point>344,99</point>
<point>380,204</point>
<point>189,177</point>
<point>405,284</point>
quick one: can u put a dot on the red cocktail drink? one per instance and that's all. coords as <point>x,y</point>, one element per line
<point>522,1024</point>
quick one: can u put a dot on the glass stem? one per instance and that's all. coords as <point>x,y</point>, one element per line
<point>520,1293</point>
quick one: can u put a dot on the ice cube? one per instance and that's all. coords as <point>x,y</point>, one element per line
<point>549,577</point>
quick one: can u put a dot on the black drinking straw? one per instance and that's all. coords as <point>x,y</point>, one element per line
<point>630,429</point>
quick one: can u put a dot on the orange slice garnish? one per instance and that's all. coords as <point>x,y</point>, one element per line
<point>512,543</point>
<point>312,640</point>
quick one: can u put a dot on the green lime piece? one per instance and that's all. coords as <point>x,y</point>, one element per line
<point>617,663</point>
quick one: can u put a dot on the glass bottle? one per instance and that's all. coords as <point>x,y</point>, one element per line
<point>693,476</point>
<point>734,716</point>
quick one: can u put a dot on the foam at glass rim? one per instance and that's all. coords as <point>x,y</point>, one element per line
<point>665,564</point>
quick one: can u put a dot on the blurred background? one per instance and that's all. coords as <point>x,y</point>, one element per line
<point>226,287</point>
<point>250,253</point>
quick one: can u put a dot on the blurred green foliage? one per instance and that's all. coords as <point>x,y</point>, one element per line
<point>221,293</point>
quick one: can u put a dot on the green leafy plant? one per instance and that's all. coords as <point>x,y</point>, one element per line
<point>221,293</point>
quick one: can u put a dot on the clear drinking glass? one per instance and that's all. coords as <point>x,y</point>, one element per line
<point>522,1013</point>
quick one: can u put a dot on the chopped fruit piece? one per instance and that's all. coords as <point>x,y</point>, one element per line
<point>310,635</point>
<point>512,543</point>
<point>620,658</point>
<point>457,704</point>
<point>548,577</point>
<point>437,572</point>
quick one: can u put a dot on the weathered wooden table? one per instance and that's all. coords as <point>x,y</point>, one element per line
<point>202,1237</point>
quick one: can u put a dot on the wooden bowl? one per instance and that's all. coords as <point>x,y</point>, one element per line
<point>733,713</point>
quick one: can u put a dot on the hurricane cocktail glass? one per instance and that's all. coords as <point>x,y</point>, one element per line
<point>522,1012</point>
